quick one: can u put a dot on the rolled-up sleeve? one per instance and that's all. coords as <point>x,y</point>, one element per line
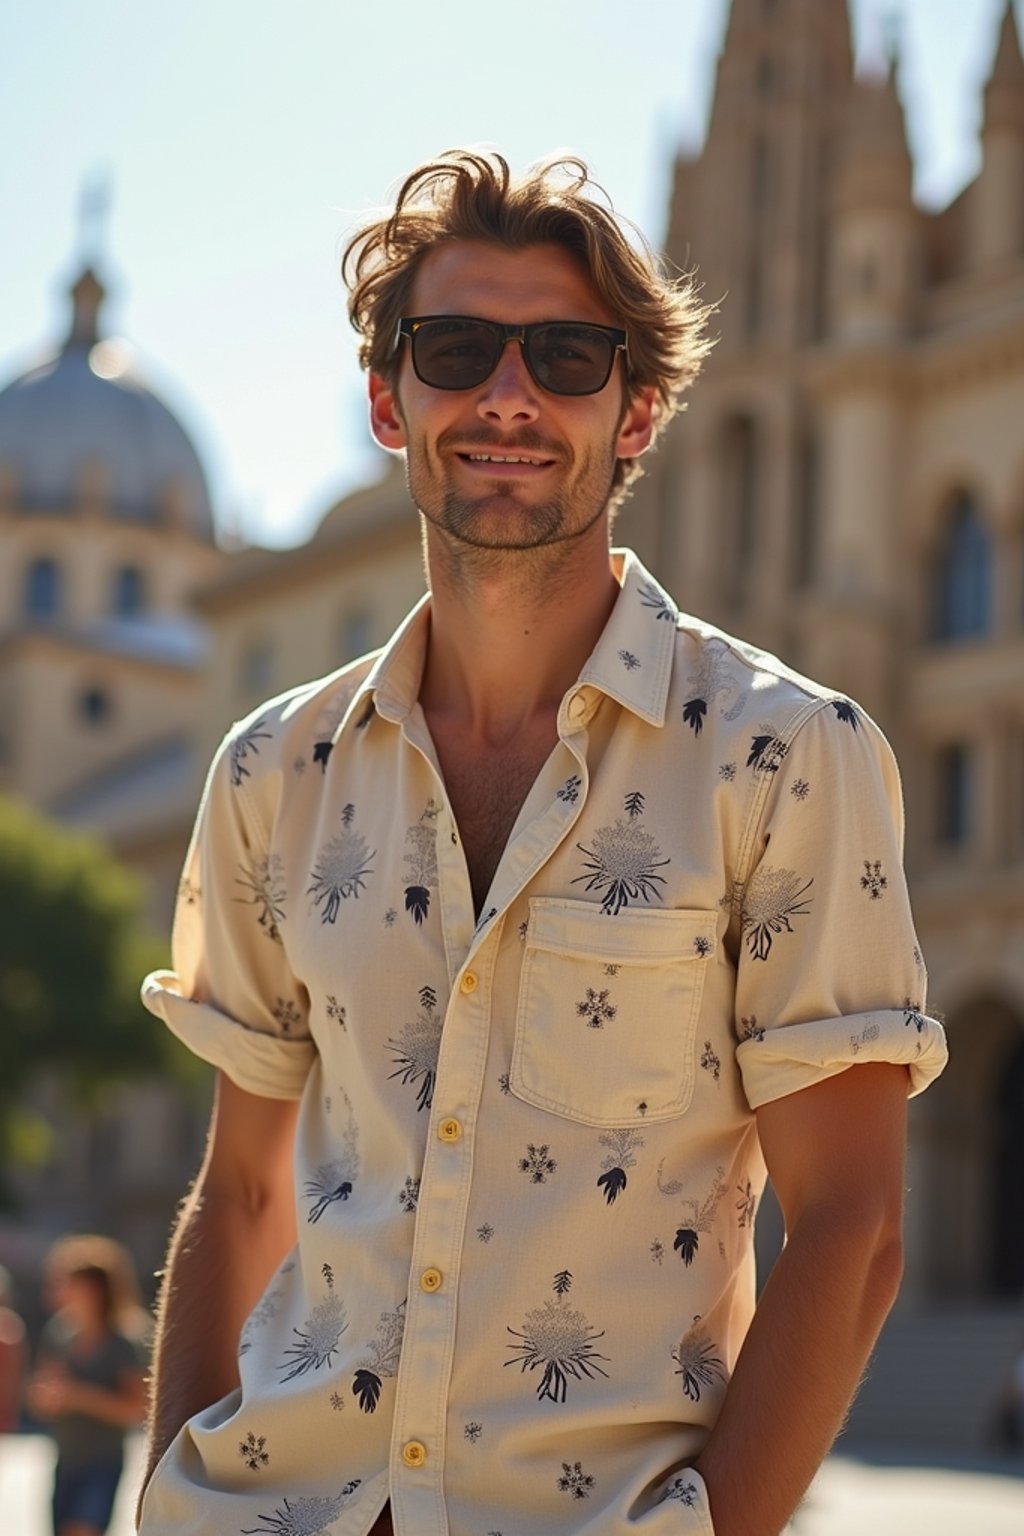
<point>829,971</point>
<point>231,996</point>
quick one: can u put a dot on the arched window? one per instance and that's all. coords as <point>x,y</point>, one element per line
<point>129,592</point>
<point>962,592</point>
<point>42,589</point>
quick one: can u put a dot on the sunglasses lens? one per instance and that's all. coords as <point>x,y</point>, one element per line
<point>454,353</point>
<point>570,359</point>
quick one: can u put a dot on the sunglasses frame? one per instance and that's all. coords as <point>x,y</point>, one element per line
<point>410,324</point>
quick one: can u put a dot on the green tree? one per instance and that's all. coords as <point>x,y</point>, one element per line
<point>73,949</point>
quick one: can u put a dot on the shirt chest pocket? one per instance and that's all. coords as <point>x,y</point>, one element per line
<point>607,1011</point>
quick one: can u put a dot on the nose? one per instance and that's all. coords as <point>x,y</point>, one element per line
<point>509,395</point>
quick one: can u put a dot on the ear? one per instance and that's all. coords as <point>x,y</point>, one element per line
<point>385,416</point>
<point>637,425</point>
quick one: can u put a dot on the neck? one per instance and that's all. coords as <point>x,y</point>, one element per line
<point>511,629</point>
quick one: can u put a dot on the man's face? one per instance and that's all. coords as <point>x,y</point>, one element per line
<point>507,464</point>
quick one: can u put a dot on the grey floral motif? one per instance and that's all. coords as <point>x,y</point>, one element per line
<point>484,1232</point>
<point>244,746</point>
<point>537,1163</point>
<point>259,1317</point>
<point>596,1008</point>
<point>746,1205</point>
<point>702,946</point>
<point>340,871</point>
<point>299,766</point>
<point>621,1145</point>
<point>389,918</point>
<point>698,1215</point>
<point>570,790</point>
<point>575,1481</point>
<point>652,597</point>
<point>336,1010</point>
<point>188,894</point>
<point>697,1363</point>
<point>623,864</point>
<point>420,859</point>
<point>472,1431</point>
<point>629,661</point>
<point>774,897</point>
<point>680,1489</point>
<point>337,1401</point>
<point>263,877</point>
<point>710,678</point>
<point>657,1250</point>
<point>333,1181</point>
<point>766,750</point>
<point>504,1084</point>
<point>303,1517</point>
<point>800,789</point>
<point>868,1034</point>
<point>750,1029</point>
<point>727,772</point>
<point>873,880</point>
<point>317,1341</point>
<point>286,1014</point>
<point>253,1451</point>
<point>383,1354</point>
<point>416,1051</point>
<point>710,1061</point>
<point>409,1194</point>
<point>558,1337</point>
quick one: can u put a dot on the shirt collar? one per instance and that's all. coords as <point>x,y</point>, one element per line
<point>632,661</point>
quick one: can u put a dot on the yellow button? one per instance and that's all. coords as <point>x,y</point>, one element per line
<point>468,982</point>
<point>449,1130</point>
<point>414,1454</point>
<point>430,1280</point>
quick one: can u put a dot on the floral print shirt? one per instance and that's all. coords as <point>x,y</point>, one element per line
<point>526,1164</point>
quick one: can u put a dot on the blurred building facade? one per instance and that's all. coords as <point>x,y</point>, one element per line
<point>846,488</point>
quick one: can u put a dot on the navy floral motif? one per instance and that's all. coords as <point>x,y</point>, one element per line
<point>570,790</point>
<point>651,597</point>
<point>336,1011</point>
<point>711,677</point>
<point>629,661</point>
<point>325,726</point>
<point>575,1481</point>
<point>697,1363</point>
<point>750,1029</point>
<point>680,1489</point>
<point>727,772</point>
<point>621,1146</point>
<point>766,751</point>
<point>420,859</point>
<point>596,1008</point>
<point>303,1517</point>
<point>188,894</point>
<point>340,871</point>
<point>484,1232</point>
<point>846,712</point>
<point>711,1061</point>
<point>799,789</point>
<point>299,766</point>
<point>243,746</point>
<point>698,1215</point>
<point>337,1401</point>
<point>253,1451</point>
<point>623,862</point>
<point>873,880</point>
<point>416,1051</point>
<point>383,1354</point>
<point>694,711</point>
<point>657,1250</point>
<point>912,1014</point>
<point>259,1317</point>
<point>472,1431</point>
<point>558,1337</point>
<point>773,898</point>
<point>263,876</point>
<point>409,1194</point>
<point>537,1163</point>
<point>286,1014</point>
<point>334,1180</point>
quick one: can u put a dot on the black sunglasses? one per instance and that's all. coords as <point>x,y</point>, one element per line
<point>567,357</point>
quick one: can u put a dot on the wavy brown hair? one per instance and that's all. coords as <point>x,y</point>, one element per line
<point>471,195</point>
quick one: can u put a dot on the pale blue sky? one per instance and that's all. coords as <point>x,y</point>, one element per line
<point>243,138</point>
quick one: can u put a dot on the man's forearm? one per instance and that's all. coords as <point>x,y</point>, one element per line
<point>221,1256</point>
<point>814,1328</point>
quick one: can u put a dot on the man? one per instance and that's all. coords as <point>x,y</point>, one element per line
<point>579,915</point>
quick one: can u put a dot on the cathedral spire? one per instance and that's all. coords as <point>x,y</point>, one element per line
<point>1004,94</point>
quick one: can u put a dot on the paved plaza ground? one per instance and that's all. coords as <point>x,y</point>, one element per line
<point>850,1497</point>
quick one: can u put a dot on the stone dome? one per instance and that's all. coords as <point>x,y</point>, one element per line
<point>84,416</point>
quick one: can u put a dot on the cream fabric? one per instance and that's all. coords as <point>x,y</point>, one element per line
<point>526,1165</point>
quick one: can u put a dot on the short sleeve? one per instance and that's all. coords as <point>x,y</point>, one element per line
<point>231,996</point>
<point>829,972</point>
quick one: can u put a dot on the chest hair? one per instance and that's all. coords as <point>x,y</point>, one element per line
<point>486,790</point>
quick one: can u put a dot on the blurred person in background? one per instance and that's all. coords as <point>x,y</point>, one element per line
<point>13,1357</point>
<point>89,1386</point>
